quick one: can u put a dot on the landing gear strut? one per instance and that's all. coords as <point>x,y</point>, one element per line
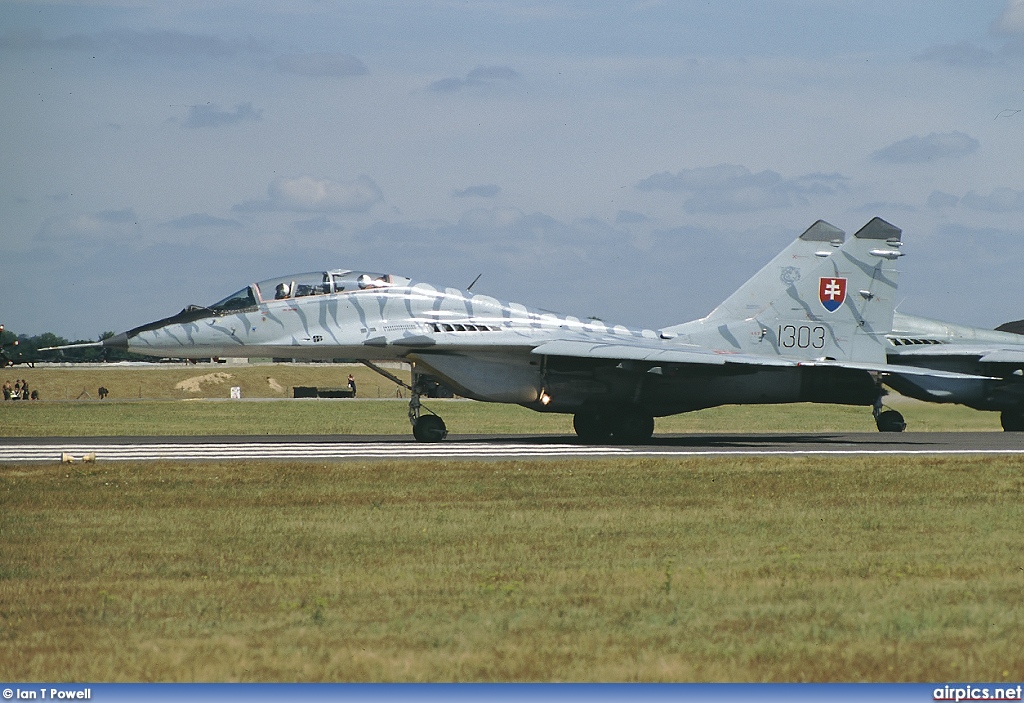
<point>618,425</point>
<point>425,428</point>
<point>887,420</point>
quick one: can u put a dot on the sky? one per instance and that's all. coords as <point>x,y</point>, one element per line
<point>634,161</point>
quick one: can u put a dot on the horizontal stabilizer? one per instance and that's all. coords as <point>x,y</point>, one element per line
<point>895,369</point>
<point>980,352</point>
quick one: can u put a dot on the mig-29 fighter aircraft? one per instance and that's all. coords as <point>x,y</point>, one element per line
<point>991,364</point>
<point>811,326</point>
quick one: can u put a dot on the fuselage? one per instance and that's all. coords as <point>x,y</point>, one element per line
<point>481,347</point>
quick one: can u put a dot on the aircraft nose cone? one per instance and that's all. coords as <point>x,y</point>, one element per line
<point>118,341</point>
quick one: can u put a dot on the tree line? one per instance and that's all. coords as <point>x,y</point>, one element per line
<point>24,349</point>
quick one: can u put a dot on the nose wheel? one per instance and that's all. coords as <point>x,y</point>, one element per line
<point>425,428</point>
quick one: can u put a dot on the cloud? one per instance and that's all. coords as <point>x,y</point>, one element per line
<point>129,42</point>
<point>963,54</point>
<point>200,116</point>
<point>197,220</point>
<point>999,200</point>
<point>483,191</point>
<point>729,188</point>
<point>107,225</point>
<point>322,65</point>
<point>913,150</point>
<point>939,199</point>
<point>316,225</point>
<point>309,194</point>
<point>482,76</point>
<point>628,217</point>
<point>1012,19</point>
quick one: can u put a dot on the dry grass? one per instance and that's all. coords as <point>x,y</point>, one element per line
<point>177,382</point>
<point>759,569</point>
<point>206,410</point>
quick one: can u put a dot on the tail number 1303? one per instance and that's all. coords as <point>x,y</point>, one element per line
<point>801,337</point>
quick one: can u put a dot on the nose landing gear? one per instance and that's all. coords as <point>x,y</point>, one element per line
<point>425,428</point>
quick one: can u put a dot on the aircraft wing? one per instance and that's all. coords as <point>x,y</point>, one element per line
<point>638,351</point>
<point>691,354</point>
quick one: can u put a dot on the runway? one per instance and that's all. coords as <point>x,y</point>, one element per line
<point>348,447</point>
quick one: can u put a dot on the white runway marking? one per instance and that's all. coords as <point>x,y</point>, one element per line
<point>53,452</point>
<point>297,450</point>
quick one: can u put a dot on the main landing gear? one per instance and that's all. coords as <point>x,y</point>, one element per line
<point>618,425</point>
<point>887,420</point>
<point>1012,420</point>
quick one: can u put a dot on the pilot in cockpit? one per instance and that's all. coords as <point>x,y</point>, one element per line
<point>365,281</point>
<point>282,291</point>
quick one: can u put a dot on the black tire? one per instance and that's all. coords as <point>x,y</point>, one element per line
<point>890,421</point>
<point>1012,420</point>
<point>632,427</point>
<point>591,427</point>
<point>429,428</point>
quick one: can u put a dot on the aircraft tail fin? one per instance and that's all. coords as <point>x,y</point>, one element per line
<point>801,256</point>
<point>844,308</point>
<point>836,305</point>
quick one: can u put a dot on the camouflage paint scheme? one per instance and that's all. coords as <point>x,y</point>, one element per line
<point>815,324</point>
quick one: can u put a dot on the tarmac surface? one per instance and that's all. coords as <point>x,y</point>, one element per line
<point>53,449</point>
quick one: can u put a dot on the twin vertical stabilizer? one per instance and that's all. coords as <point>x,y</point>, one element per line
<point>824,297</point>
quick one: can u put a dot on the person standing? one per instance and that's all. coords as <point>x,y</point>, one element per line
<point>352,384</point>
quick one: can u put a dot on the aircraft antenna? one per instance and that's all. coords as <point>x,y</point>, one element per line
<point>470,286</point>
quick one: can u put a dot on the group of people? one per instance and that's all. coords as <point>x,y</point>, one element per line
<point>19,391</point>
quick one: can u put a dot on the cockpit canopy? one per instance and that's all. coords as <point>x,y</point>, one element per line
<point>300,285</point>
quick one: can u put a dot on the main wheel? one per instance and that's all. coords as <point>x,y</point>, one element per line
<point>429,428</point>
<point>890,421</point>
<point>1012,420</point>
<point>591,427</point>
<point>632,427</point>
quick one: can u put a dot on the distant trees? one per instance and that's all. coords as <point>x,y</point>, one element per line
<point>23,349</point>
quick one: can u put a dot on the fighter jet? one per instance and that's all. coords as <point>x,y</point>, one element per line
<point>811,326</point>
<point>995,359</point>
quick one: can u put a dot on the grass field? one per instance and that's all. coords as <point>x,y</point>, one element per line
<point>372,417</point>
<point>182,400</point>
<point>180,381</point>
<point>654,569</point>
<point>751,569</point>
